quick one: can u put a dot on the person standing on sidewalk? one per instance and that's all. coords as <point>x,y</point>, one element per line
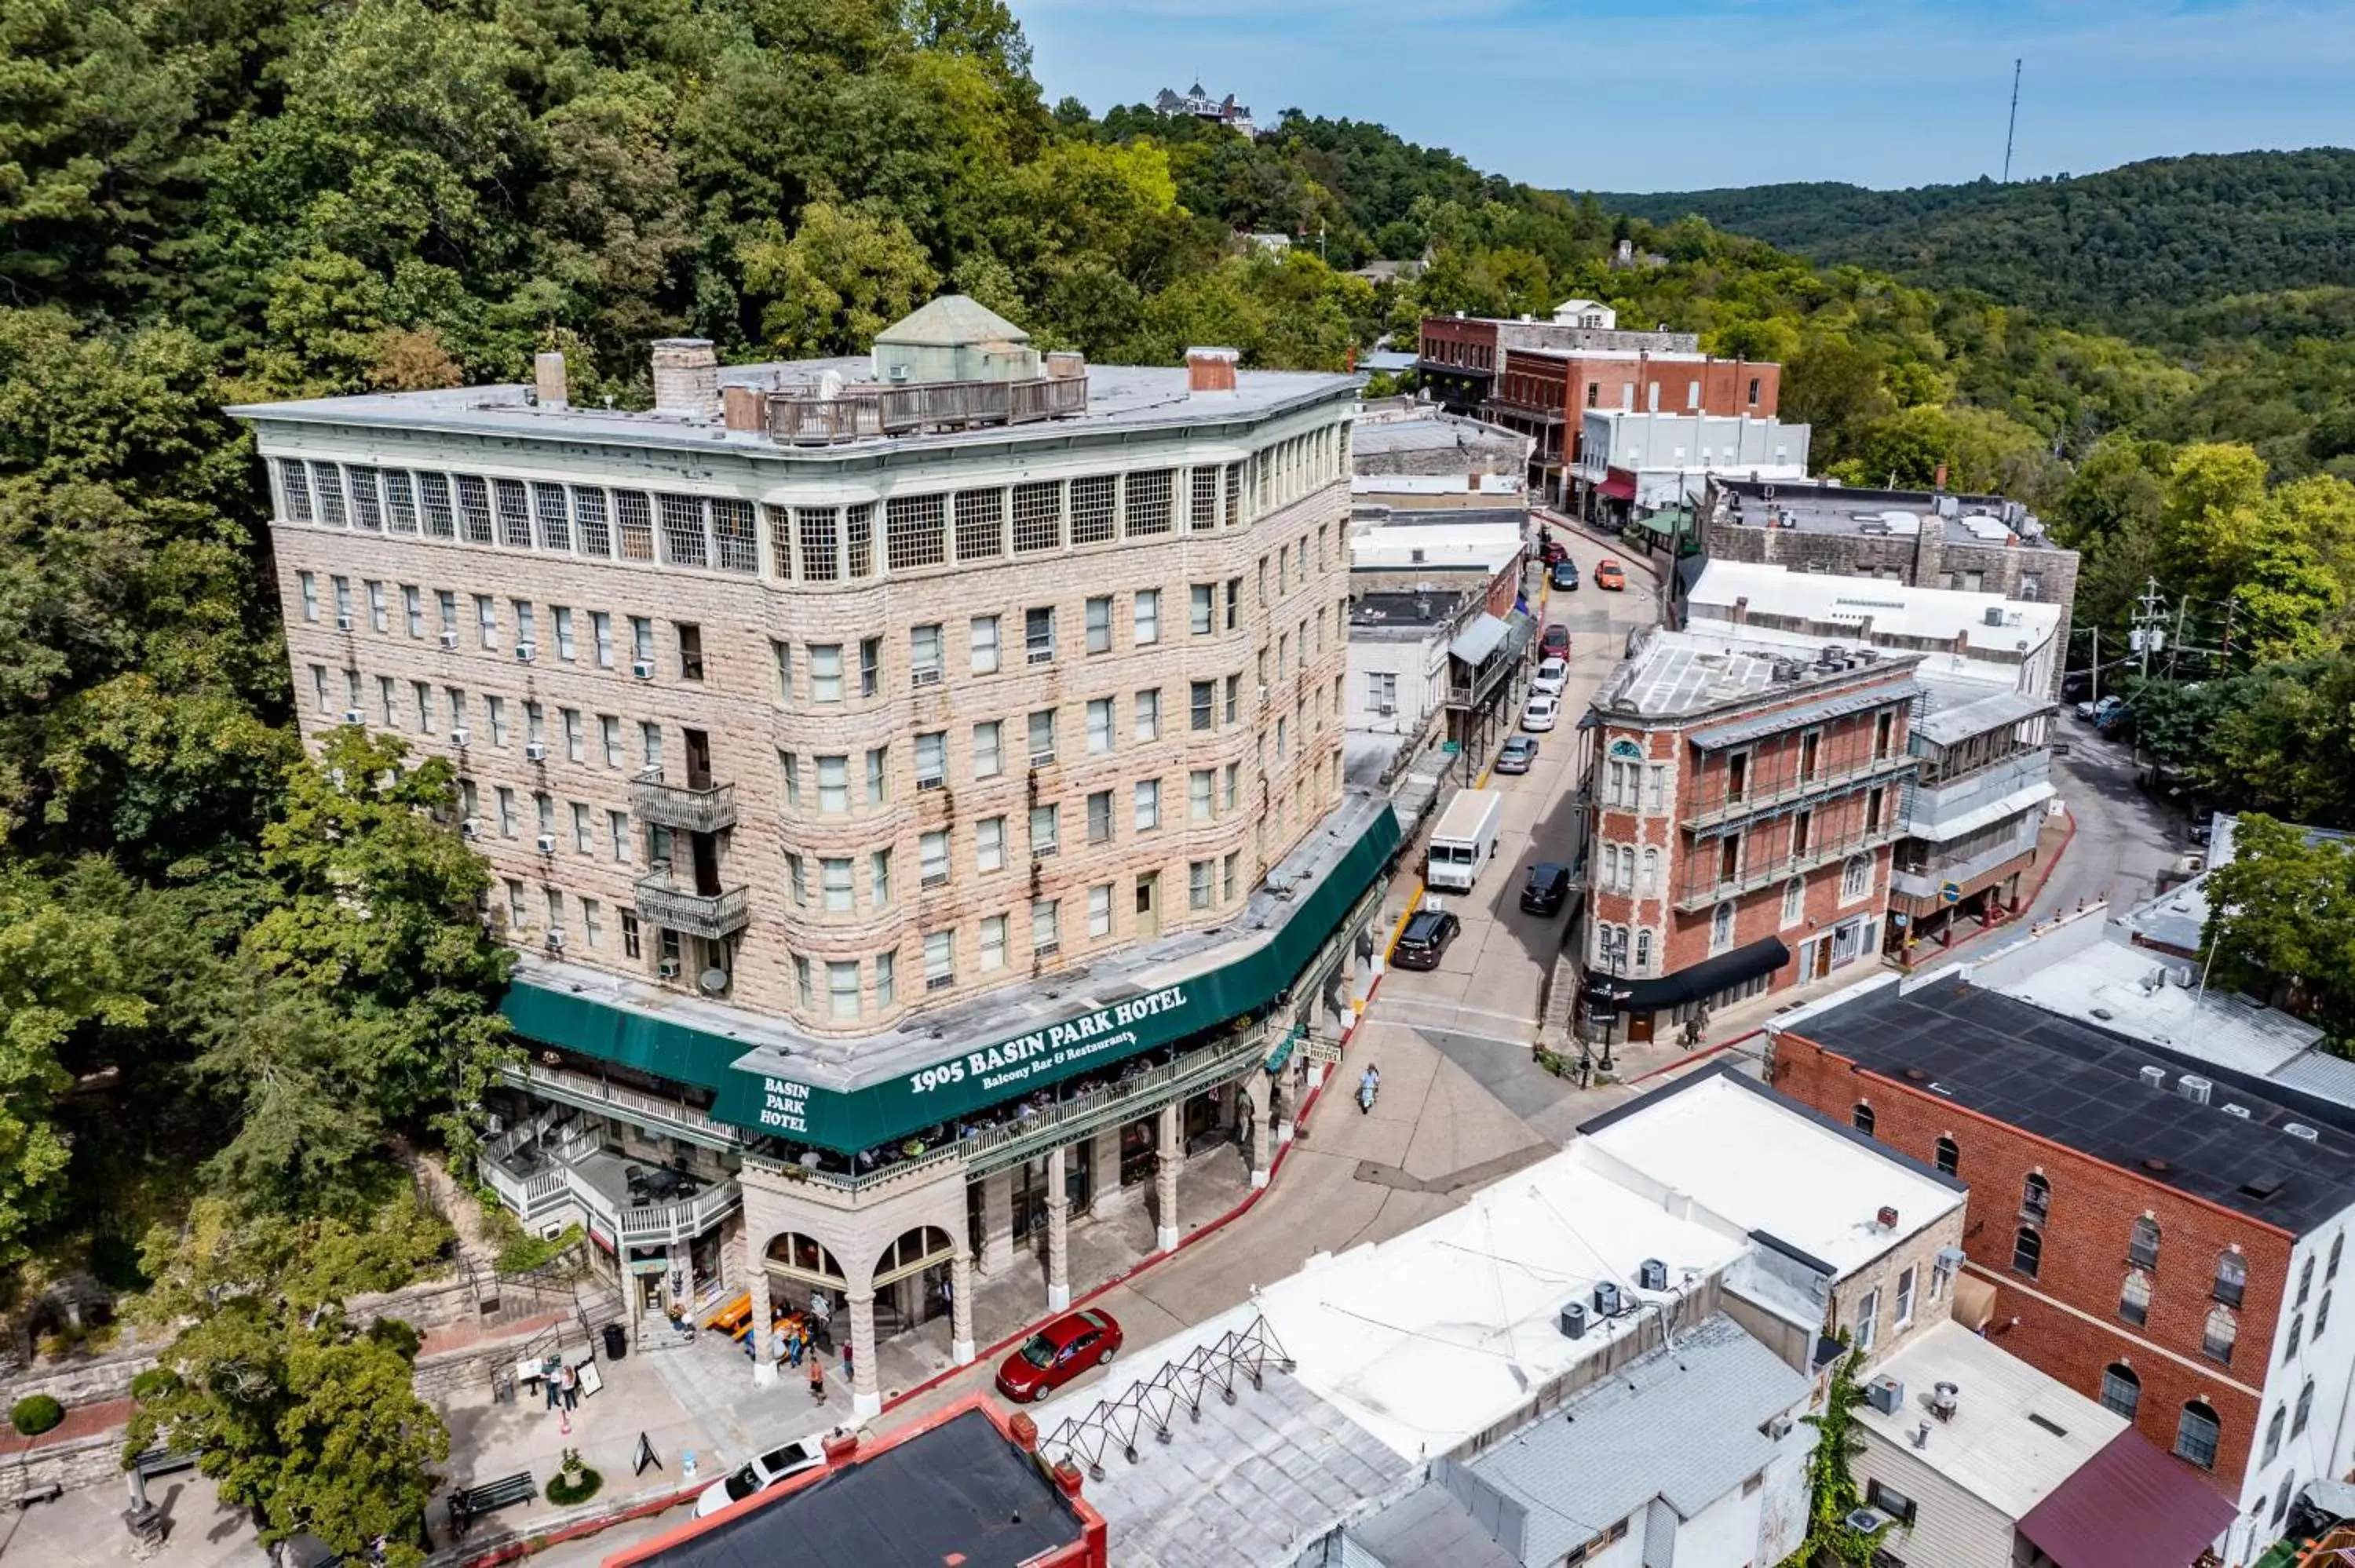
<point>817,1379</point>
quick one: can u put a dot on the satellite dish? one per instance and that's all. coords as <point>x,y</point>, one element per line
<point>714,981</point>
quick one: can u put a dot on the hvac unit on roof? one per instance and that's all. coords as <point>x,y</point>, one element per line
<point>2194,1087</point>
<point>2153,1077</point>
<point>1652,1275</point>
<point>2298,1129</point>
<point>1886,1394</point>
<point>1606,1298</point>
<point>1574,1320</point>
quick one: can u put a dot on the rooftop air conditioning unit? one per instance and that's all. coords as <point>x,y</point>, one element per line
<point>1574,1320</point>
<point>668,969</point>
<point>2298,1129</point>
<point>449,639</point>
<point>1995,615</point>
<point>556,941</point>
<point>1886,1395</point>
<point>536,751</point>
<point>546,843</point>
<point>1652,1275</point>
<point>1606,1298</point>
<point>644,670</point>
<point>2194,1087</point>
<point>343,623</point>
<point>526,652</point>
<point>1945,1398</point>
<point>2153,1077</point>
<point>354,715</point>
<point>460,736</point>
<point>2232,1109</point>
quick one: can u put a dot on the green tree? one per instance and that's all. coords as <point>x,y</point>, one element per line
<point>843,277</point>
<point>1833,1493</point>
<point>2281,922</point>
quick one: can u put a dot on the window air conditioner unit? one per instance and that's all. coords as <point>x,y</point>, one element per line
<point>644,670</point>
<point>449,639</point>
<point>460,736</point>
<point>471,828</point>
<point>353,715</point>
<point>537,751</point>
<point>668,969</point>
<point>556,941</point>
<point>526,652</point>
<point>546,844</point>
<point>1387,709</point>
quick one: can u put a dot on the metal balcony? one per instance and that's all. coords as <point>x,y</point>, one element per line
<point>663,902</point>
<point>696,811</point>
<point>1756,873</point>
<point>1713,809</point>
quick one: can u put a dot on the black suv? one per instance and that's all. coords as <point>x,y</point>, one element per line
<point>1424,939</point>
<point>1547,889</point>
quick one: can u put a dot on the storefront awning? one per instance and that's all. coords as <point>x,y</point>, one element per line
<point>1707,978</point>
<point>1477,641</point>
<point>1284,1047</point>
<point>1616,486</point>
<point>2129,1505</point>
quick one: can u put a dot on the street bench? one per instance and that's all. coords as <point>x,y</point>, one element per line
<point>154,1462</point>
<point>470,1504</point>
<point>39,1492</point>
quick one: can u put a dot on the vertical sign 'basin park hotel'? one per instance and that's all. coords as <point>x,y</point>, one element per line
<point>913,783</point>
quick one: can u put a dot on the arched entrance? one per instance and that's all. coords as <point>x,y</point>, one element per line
<point>911,1280</point>
<point>804,1277</point>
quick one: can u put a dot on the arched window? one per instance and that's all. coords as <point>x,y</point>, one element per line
<point>1643,950</point>
<point>2305,1283</point>
<point>2121,1389</point>
<point>2133,1297</point>
<point>1721,927</point>
<point>1795,900</point>
<point>1856,877</point>
<point>2036,1199</point>
<point>2142,1244</point>
<point>804,1258</point>
<point>2196,1431</point>
<point>2223,1329</point>
<point>2026,1251</point>
<point>2297,1330</point>
<point>2274,1435</point>
<point>2281,1498</point>
<point>2232,1279</point>
<point>1861,1119</point>
<point>2322,1315</point>
<point>1950,1156</point>
<point>2338,1245</point>
<point>914,1252</point>
<point>2305,1408</point>
<point>1651,882</point>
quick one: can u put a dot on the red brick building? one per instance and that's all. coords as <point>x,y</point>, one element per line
<point>2163,1234</point>
<point>1742,801</point>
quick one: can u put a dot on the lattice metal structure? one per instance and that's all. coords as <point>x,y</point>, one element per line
<point>1151,1405</point>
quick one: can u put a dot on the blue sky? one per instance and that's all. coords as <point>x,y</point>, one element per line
<point>1685,94</point>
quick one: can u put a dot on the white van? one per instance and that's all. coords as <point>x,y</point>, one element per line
<point>1464,840</point>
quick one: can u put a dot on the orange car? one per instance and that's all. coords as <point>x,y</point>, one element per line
<point>1607,575</point>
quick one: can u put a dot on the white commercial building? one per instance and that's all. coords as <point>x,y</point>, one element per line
<point>1649,460</point>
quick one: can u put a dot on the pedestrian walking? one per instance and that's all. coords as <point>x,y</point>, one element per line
<point>817,1380</point>
<point>571,1388</point>
<point>846,1359</point>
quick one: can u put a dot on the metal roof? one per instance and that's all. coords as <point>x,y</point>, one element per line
<point>2129,1507</point>
<point>1682,1425</point>
<point>1838,705</point>
<point>2081,1085</point>
<point>1945,723</point>
<point>952,320</point>
<point>1477,641</point>
<point>1427,1528</point>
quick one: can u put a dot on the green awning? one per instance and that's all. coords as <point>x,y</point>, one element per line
<point>963,1079</point>
<point>1283,1052</point>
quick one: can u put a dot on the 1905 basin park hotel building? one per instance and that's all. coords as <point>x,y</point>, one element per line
<point>914,785</point>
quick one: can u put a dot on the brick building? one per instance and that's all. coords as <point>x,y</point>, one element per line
<point>1742,801</point>
<point>2160,1234</point>
<point>1978,544</point>
<point>914,786</point>
<point>1540,377</point>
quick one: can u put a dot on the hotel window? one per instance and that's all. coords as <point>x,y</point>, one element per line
<point>1148,617</point>
<point>1202,705</point>
<point>887,980</point>
<point>826,672</point>
<point>1099,911</point>
<point>1099,626</point>
<point>940,959</point>
<point>932,857</point>
<point>879,877</point>
<point>981,636</point>
<point>2026,1251</point>
<point>1200,801</point>
<point>993,942</point>
<point>1202,602</point>
<point>1046,926</point>
<point>833,785</point>
<point>878,775</point>
<point>486,619</point>
<point>1200,885</point>
<point>650,745</point>
<point>834,885</point>
<point>988,760</point>
<point>932,759</point>
<point>1856,876</point>
<point>584,833</point>
<point>842,990</point>
<point>1148,714</point>
<point>1148,804</point>
<point>1720,929</point>
<point>1038,634</point>
<point>1045,831</point>
<point>924,655</point>
<point>617,828</point>
<point>1229,870</point>
<point>1901,1316</point>
<point>2142,1243</point>
<point>1042,737</point>
<point>989,844</point>
<point>630,945</point>
<point>1100,726</point>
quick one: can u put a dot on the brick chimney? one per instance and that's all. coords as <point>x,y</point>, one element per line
<point>547,379</point>
<point>687,377</point>
<point>1210,369</point>
<point>1741,611</point>
<point>741,407</point>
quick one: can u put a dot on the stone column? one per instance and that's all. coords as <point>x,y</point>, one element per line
<point>866,1399</point>
<point>1259,1146</point>
<point>764,1370</point>
<point>961,1307</point>
<point>1280,1102</point>
<point>997,1221</point>
<point>1166,1158</point>
<point>1059,1233</point>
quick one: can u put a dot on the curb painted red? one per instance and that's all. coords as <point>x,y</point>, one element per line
<point>2034,893</point>
<point>1208,1228</point>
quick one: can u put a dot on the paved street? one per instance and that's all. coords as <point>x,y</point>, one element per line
<point>2124,839</point>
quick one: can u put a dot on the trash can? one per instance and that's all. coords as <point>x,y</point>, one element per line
<point>617,1341</point>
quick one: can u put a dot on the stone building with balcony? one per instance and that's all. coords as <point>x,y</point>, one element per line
<point>913,784</point>
<point>1743,798</point>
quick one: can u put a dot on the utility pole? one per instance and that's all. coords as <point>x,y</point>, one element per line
<point>2094,695</point>
<point>2181,605</point>
<point>2148,635</point>
<point>2013,125</point>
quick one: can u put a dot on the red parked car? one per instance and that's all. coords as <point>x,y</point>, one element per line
<point>1555,643</point>
<point>1058,1354</point>
<point>1553,550</point>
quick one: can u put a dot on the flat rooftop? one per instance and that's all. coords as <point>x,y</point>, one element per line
<point>1770,1164</point>
<point>2016,1434</point>
<point>849,1064</point>
<point>2080,1085</point>
<point>1430,544</point>
<point>1870,608</point>
<point>1375,612</point>
<point>1674,674</point>
<point>1121,398</point>
<point>2155,997</point>
<point>959,1492</point>
<point>1822,506</point>
<point>1437,432</point>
